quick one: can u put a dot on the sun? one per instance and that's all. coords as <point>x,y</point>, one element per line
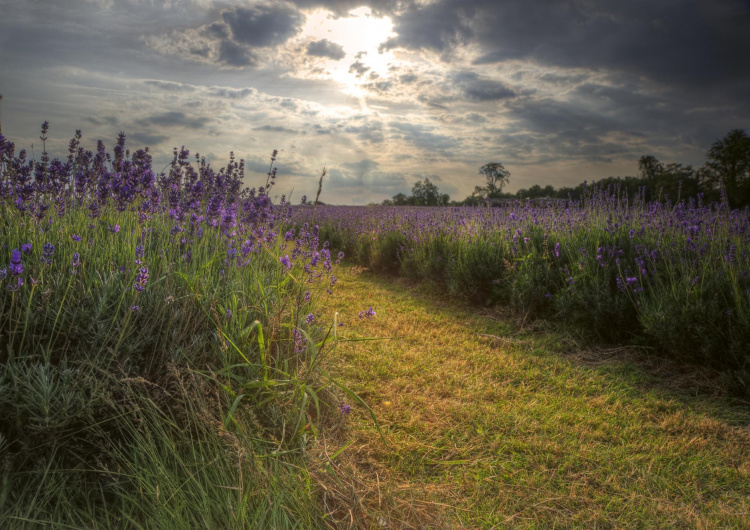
<point>360,34</point>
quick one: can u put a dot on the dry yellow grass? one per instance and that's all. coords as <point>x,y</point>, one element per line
<point>494,423</point>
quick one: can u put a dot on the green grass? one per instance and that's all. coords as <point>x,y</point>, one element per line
<point>185,405</point>
<point>491,422</point>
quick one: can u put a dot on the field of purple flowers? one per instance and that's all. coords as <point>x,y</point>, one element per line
<point>674,278</point>
<point>159,346</point>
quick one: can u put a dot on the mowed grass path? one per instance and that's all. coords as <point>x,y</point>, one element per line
<point>491,422</point>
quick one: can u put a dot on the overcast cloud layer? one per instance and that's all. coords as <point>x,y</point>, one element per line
<point>384,92</point>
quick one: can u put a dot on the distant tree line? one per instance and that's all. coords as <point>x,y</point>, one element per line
<point>727,167</point>
<point>423,193</point>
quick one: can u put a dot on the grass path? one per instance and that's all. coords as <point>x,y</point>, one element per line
<point>493,424</point>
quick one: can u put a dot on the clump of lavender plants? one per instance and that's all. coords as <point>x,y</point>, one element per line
<point>675,277</point>
<point>156,333</point>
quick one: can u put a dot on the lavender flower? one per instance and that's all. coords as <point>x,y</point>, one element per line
<point>47,251</point>
<point>26,248</point>
<point>299,341</point>
<point>310,318</point>
<point>75,263</point>
<point>731,256</point>
<point>367,314</point>
<point>285,262</point>
<point>16,266</point>
<point>141,279</point>
<point>13,288</point>
<point>75,237</point>
<point>344,408</point>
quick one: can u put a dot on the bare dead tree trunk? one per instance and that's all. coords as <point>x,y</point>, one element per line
<point>320,186</point>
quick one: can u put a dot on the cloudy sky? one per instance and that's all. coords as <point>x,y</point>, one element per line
<point>383,92</point>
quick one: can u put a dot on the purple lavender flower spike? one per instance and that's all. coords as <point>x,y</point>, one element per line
<point>75,263</point>
<point>299,341</point>
<point>14,288</point>
<point>16,266</point>
<point>47,252</point>
<point>141,279</point>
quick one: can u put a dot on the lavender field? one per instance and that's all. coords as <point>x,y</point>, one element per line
<point>672,278</point>
<point>165,339</point>
<point>159,345</point>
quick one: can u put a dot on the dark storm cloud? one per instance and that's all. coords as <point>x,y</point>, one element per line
<point>487,90</point>
<point>550,130</point>
<point>326,48</point>
<point>563,79</point>
<point>218,30</point>
<point>244,36</point>
<point>478,89</point>
<point>696,43</point>
<point>263,25</point>
<point>174,119</point>
<point>232,54</point>
<point>550,115</point>
<point>438,26</point>
<point>626,76</point>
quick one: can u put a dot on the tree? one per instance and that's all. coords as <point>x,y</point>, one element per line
<point>497,177</point>
<point>425,193</point>
<point>649,167</point>
<point>400,199</point>
<point>728,164</point>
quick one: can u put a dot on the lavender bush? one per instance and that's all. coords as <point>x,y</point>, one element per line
<point>675,277</point>
<point>156,345</point>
